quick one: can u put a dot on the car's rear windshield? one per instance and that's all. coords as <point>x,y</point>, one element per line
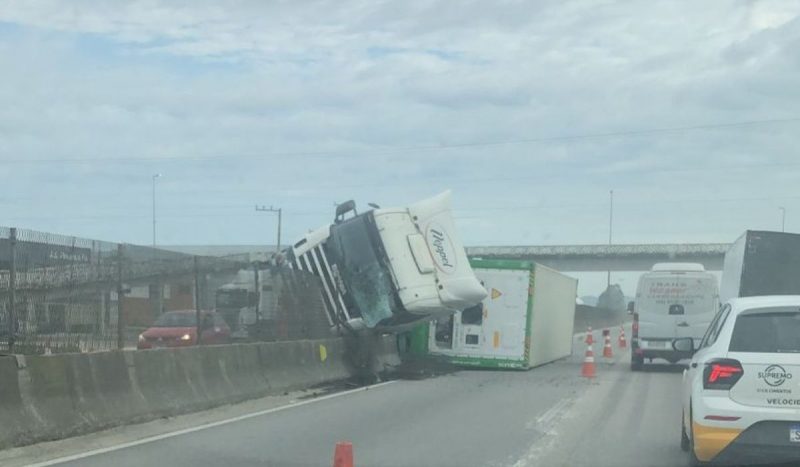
<point>175,320</point>
<point>774,330</point>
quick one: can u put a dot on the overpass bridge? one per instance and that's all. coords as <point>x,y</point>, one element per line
<point>579,258</point>
<point>575,258</point>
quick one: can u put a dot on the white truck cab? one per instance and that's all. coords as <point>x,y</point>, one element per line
<point>390,268</point>
<point>673,300</point>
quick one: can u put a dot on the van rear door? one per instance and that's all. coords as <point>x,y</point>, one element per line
<point>699,302</point>
<point>655,320</point>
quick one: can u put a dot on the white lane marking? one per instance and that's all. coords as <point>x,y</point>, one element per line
<point>546,424</point>
<point>184,431</point>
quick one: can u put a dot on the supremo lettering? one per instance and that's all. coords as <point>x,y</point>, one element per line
<point>438,245</point>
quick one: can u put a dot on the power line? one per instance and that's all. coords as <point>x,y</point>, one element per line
<point>321,213</point>
<point>449,182</point>
<point>406,149</point>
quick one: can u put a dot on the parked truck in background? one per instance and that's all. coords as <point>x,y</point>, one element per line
<point>388,269</point>
<point>761,263</point>
<point>246,302</point>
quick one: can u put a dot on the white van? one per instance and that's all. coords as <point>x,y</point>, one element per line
<point>672,300</point>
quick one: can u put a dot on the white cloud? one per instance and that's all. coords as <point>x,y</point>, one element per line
<point>358,79</point>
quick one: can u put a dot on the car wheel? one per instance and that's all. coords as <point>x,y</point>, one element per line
<point>637,363</point>
<point>685,444</point>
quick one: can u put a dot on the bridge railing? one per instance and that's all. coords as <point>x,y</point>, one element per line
<point>676,249</point>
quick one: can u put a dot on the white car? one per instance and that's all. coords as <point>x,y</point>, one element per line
<point>741,400</point>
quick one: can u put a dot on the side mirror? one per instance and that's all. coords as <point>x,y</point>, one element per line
<point>344,208</point>
<point>683,344</point>
<point>630,307</point>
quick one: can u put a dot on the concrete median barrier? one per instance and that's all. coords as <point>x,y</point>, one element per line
<point>56,396</point>
<point>15,421</point>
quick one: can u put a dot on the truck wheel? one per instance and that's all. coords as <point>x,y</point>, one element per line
<point>637,363</point>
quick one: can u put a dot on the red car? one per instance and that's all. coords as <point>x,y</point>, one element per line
<point>179,329</point>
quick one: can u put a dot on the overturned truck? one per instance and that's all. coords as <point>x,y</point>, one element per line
<point>388,269</point>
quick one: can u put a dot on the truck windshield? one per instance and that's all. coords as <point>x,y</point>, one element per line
<point>231,298</point>
<point>369,285</point>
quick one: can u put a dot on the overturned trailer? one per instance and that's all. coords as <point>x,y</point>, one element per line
<point>525,321</point>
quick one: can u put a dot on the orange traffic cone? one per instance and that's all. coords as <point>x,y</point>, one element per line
<point>588,369</point>
<point>622,342</point>
<point>607,351</point>
<point>589,336</point>
<point>343,455</point>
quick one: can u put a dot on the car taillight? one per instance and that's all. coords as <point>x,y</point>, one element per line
<point>635,326</point>
<point>722,373</point>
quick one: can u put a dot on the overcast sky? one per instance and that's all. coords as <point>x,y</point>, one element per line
<point>529,111</point>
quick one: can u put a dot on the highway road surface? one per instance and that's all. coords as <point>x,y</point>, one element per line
<point>548,416</point>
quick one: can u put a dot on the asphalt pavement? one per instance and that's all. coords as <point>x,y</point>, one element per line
<point>547,416</point>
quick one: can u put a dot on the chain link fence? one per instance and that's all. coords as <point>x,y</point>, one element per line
<point>69,294</point>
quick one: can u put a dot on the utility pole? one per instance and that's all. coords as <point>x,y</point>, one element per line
<point>783,218</point>
<point>155,176</point>
<point>12,288</point>
<point>279,211</point>
<point>610,229</point>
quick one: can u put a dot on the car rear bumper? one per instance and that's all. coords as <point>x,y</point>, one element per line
<point>763,442</point>
<point>665,354</point>
<point>709,441</point>
<point>646,348</point>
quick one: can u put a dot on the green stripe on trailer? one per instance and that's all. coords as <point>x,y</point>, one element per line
<point>490,363</point>
<point>483,362</point>
<point>513,264</point>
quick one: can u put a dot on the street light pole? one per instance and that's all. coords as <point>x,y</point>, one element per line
<point>610,229</point>
<point>155,176</point>
<point>280,212</point>
<point>783,218</point>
